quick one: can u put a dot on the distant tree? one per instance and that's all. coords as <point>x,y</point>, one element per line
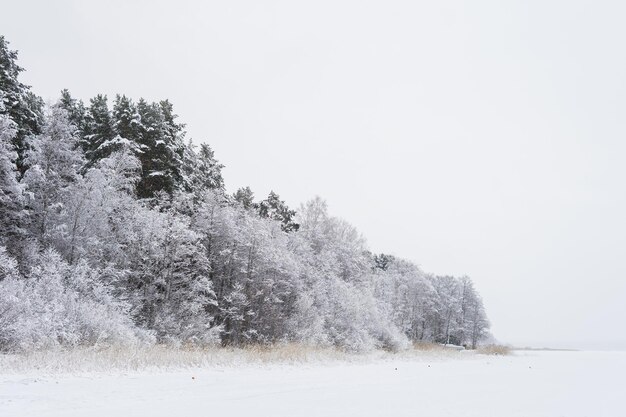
<point>276,209</point>
<point>245,197</point>
<point>476,324</point>
<point>382,261</point>
<point>448,290</point>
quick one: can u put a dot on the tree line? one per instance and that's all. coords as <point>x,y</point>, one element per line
<point>114,229</point>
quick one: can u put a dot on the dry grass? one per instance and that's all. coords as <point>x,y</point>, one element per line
<point>494,350</point>
<point>163,357</point>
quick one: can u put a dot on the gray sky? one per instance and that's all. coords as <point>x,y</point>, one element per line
<point>485,138</point>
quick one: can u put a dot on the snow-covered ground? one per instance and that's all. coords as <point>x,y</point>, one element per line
<point>525,384</point>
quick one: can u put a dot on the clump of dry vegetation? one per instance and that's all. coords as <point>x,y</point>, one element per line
<point>428,346</point>
<point>494,350</point>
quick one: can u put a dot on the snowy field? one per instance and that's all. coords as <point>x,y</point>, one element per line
<point>524,384</point>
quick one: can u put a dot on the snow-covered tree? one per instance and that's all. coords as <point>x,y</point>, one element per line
<point>337,287</point>
<point>17,101</point>
<point>98,136</point>
<point>276,209</point>
<point>245,197</point>
<point>61,304</point>
<point>75,109</point>
<point>96,211</point>
<point>11,215</point>
<point>53,164</point>
<point>161,149</point>
<point>201,171</point>
<point>168,275</point>
<point>126,119</point>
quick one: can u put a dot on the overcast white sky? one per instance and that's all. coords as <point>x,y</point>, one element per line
<point>485,138</point>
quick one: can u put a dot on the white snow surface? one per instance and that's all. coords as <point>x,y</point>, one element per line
<point>524,384</point>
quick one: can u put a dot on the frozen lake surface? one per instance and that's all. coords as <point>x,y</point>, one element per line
<point>525,384</point>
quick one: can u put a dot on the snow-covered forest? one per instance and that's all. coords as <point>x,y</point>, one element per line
<point>116,229</point>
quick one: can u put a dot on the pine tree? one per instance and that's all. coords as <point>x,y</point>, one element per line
<point>126,119</point>
<point>161,149</point>
<point>98,132</point>
<point>382,261</point>
<point>174,136</point>
<point>10,191</point>
<point>245,197</point>
<point>276,209</point>
<point>75,109</point>
<point>22,106</point>
<point>209,169</point>
<point>201,171</point>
